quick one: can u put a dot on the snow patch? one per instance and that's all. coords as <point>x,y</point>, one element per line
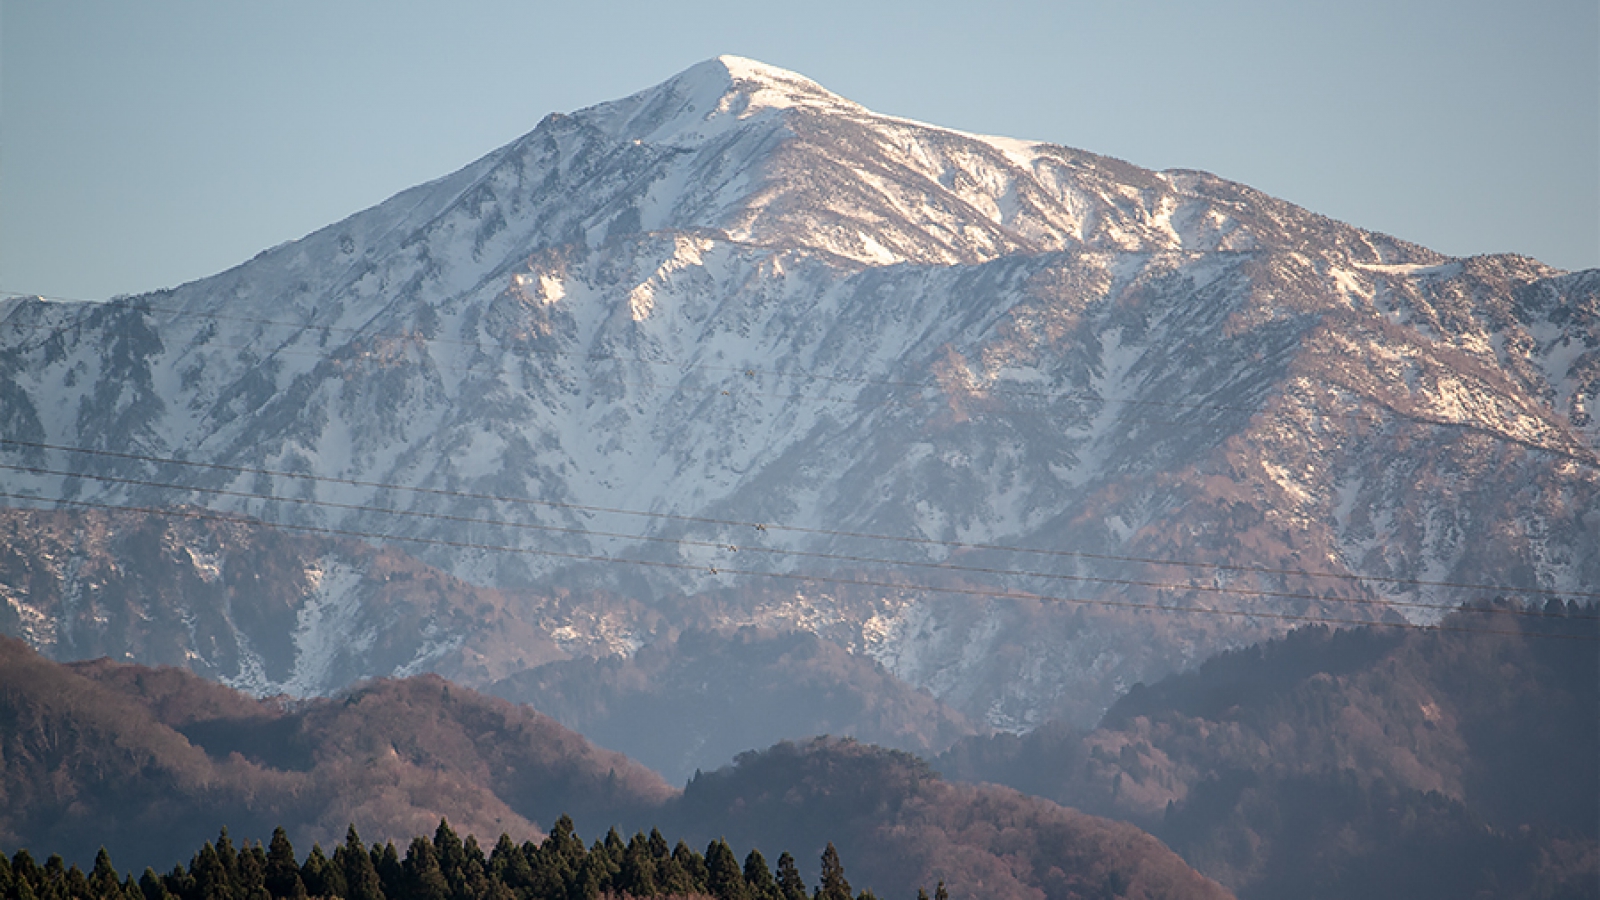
<point>1416,270</point>
<point>327,628</point>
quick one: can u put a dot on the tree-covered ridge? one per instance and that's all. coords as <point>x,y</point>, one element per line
<point>1366,762</point>
<point>446,867</point>
<point>150,763</point>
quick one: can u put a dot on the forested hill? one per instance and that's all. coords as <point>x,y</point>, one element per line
<point>1369,762</point>
<point>150,763</point>
<point>903,824</point>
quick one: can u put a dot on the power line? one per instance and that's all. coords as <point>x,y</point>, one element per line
<point>970,394</point>
<point>796,529</point>
<point>804,530</point>
<point>676,364</point>
<point>859,381</point>
<point>890,585</point>
<point>779,551</point>
<point>980,393</point>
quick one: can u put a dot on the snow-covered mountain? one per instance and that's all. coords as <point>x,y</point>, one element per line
<point>987,400</point>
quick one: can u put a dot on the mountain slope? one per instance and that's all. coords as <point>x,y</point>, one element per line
<point>148,762</point>
<point>255,607</point>
<point>737,300</point>
<point>1354,763</point>
<point>898,823</point>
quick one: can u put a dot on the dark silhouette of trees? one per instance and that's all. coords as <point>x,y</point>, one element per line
<point>790,885</point>
<point>759,878</point>
<point>724,878</point>
<point>443,868</point>
<point>833,885</point>
<point>282,875</point>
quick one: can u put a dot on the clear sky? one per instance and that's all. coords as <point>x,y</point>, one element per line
<point>144,144</point>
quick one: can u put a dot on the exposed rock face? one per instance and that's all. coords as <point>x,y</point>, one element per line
<point>247,605</point>
<point>737,299</point>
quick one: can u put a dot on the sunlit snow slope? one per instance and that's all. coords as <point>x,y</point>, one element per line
<point>739,297</point>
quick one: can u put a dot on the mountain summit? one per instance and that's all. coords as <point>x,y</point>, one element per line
<point>770,157</point>
<point>710,99</point>
<point>1023,423</point>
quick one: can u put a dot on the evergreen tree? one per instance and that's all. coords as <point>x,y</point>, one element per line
<point>249,878</point>
<point>320,877</point>
<point>103,880</point>
<point>180,883</point>
<point>452,856</point>
<point>386,862</point>
<point>227,856</point>
<point>758,878</point>
<point>282,875</point>
<point>723,877</point>
<point>790,886</point>
<point>211,878</point>
<point>922,893</point>
<point>592,875</point>
<point>423,878</point>
<point>658,846</point>
<point>672,878</point>
<point>694,865</point>
<point>607,859</point>
<point>24,869</point>
<point>508,864</point>
<point>564,843</point>
<point>354,862</point>
<point>637,875</point>
<point>131,889</point>
<point>833,885</point>
<point>69,883</point>
<point>474,871</point>
<point>939,893</point>
<point>560,868</point>
<point>551,875</point>
<point>51,874</point>
<point>24,873</point>
<point>73,883</point>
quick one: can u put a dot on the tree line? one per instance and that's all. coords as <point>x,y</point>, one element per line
<point>446,867</point>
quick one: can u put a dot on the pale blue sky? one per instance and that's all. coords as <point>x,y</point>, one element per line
<point>147,144</point>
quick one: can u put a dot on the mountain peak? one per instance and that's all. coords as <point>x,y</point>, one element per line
<point>744,69</point>
<point>707,99</point>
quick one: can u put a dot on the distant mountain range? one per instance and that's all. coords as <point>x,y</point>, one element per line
<point>735,351</point>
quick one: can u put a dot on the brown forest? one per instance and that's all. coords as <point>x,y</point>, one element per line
<point>150,762</point>
<point>1371,762</point>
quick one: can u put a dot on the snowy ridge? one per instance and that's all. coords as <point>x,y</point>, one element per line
<point>708,100</point>
<point>737,296</point>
